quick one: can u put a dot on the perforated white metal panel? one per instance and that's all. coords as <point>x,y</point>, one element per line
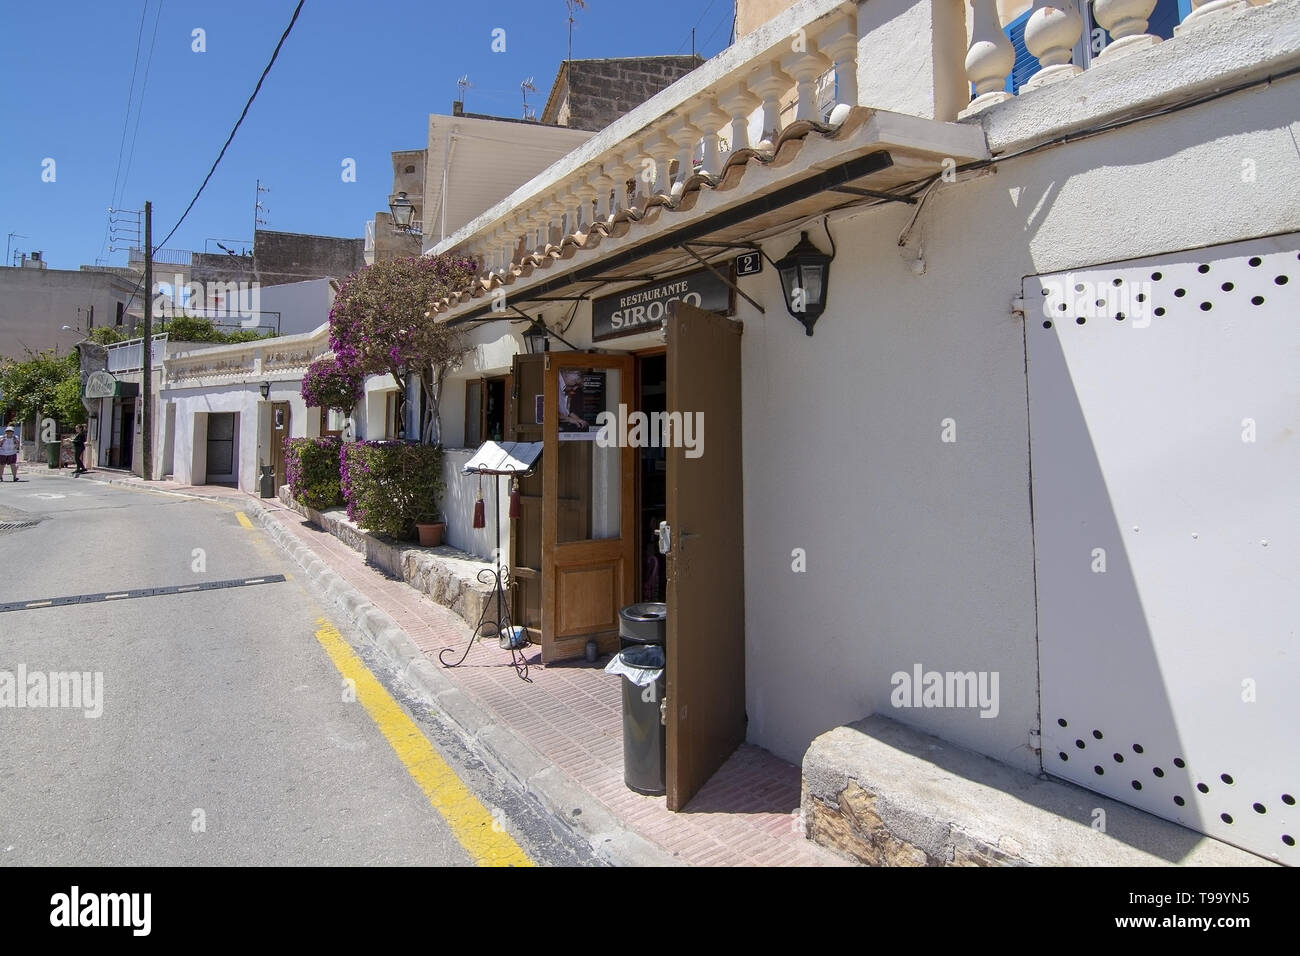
<point>1164,400</point>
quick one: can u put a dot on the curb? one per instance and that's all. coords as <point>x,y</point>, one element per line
<point>612,841</point>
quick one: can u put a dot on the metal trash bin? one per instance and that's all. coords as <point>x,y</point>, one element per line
<point>52,451</point>
<point>643,623</point>
<point>644,744</point>
<point>267,481</point>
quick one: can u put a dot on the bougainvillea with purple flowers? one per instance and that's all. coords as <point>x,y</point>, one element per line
<point>311,469</point>
<point>329,383</point>
<point>389,485</point>
<point>379,324</point>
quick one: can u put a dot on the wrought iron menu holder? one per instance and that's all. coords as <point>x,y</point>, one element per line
<point>508,465</point>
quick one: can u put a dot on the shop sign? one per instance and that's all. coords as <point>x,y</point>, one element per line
<point>644,308</point>
<point>101,384</point>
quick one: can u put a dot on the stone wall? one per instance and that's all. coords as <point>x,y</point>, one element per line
<point>290,257</point>
<point>591,94</point>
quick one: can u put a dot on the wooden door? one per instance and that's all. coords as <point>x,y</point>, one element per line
<point>705,694</point>
<point>525,548</point>
<point>279,432</point>
<point>588,505</point>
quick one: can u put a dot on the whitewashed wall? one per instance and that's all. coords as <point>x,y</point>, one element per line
<point>920,551</point>
<point>253,442</point>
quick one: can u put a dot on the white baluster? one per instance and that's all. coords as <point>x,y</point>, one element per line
<point>840,43</point>
<point>661,151</point>
<point>769,82</point>
<point>622,170</point>
<point>555,223</point>
<point>686,135</point>
<point>990,58</point>
<point>1126,22</point>
<point>1050,35</point>
<point>710,118</point>
<point>739,103</point>
<point>806,67</point>
<point>585,193</point>
<point>1206,11</point>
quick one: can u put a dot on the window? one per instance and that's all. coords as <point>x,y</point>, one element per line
<point>485,410</point>
<point>120,310</point>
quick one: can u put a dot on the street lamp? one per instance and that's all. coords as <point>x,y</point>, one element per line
<point>402,211</point>
<point>805,275</point>
<point>265,389</point>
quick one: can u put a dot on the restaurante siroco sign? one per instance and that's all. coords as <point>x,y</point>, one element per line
<point>644,308</point>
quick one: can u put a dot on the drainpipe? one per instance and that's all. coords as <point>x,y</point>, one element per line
<point>446,162</point>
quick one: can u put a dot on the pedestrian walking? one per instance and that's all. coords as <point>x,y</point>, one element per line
<point>9,453</point>
<point>79,449</point>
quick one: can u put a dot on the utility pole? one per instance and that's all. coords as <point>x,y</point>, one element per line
<point>146,366</point>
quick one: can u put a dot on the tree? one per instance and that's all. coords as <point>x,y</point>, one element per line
<point>379,325</point>
<point>328,383</point>
<point>45,385</point>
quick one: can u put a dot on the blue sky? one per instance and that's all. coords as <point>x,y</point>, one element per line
<point>354,80</point>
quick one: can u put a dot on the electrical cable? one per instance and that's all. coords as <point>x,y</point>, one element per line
<point>229,139</point>
<point>126,118</point>
<point>139,107</point>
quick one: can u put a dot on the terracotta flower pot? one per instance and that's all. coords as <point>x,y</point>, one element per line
<point>430,533</point>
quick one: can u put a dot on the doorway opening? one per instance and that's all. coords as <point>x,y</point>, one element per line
<point>221,449</point>
<point>651,478</point>
<point>123,433</point>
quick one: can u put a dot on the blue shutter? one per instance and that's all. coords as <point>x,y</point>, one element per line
<point>1026,63</point>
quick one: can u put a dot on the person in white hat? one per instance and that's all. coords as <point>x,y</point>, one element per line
<point>9,452</point>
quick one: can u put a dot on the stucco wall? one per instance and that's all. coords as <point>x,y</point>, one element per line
<point>920,551</point>
<point>253,443</point>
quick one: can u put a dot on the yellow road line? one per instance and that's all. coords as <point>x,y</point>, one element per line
<point>469,820</point>
<point>243,519</point>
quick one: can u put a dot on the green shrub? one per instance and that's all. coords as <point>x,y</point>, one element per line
<point>312,471</point>
<point>388,485</point>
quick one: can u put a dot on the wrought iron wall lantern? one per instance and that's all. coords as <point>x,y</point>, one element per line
<point>805,273</point>
<point>265,389</point>
<point>403,212</point>
<point>536,338</point>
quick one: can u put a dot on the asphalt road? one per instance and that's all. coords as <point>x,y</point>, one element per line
<point>227,735</point>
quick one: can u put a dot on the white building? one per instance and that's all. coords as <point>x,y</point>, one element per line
<point>1043,430</point>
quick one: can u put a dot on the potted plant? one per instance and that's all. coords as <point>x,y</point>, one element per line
<point>430,525</point>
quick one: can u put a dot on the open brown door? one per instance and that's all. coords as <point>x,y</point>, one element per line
<point>280,412</point>
<point>705,695</point>
<point>588,540</point>
<point>524,423</point>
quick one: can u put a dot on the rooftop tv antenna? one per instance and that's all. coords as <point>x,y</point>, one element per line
<point>527,87</point>
<point>258,209</point>
<point>462,85</point>
<point>574,6</point>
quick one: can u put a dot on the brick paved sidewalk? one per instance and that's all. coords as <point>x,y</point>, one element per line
<point>571,714</point>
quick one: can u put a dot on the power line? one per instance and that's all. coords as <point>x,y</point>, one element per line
<point>229,139</point>
<point>697,26</point>
<point>126,119</point>
<point>139,107</point>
